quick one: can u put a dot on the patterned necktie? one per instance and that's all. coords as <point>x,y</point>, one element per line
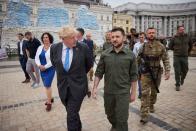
<point>66,64</point>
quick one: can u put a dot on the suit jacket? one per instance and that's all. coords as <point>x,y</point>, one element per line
<point>75,80</point>
<point>23,48</point>
<point>90,45</point>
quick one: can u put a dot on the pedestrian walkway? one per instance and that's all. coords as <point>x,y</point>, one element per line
<point>22,108</point>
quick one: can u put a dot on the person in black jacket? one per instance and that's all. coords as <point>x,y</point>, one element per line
<point>31,49</point>
<point>21,45</point>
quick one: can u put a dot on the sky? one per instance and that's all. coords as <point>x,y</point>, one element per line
<point>115,3</point>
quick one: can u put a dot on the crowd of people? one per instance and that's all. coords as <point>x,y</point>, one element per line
<point>125,62</point>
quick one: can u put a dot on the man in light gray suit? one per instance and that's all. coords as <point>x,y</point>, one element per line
<point>72,63</point>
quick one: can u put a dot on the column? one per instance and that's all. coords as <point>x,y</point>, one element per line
<point>142,24</point>
<point>146,23</point>
<point>170,27</point>
<point>164,26</point>
<point>138,23</point>
<point>187,24</point>
<point>150,21</point>
<point>133,21</point>
<point>193,23</point>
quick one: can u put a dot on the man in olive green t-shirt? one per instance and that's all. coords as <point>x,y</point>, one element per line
<point>181,45</point>
<point>119,66</point>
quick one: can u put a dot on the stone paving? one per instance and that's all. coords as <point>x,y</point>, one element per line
<point>22,108</point>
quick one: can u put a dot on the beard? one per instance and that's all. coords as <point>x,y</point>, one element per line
<point>181,33</point>
<point>117,45</point>
<point>151,38</point>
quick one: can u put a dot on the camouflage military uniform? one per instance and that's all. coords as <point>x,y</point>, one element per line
<point>156,52</point>
<point>181,46</point>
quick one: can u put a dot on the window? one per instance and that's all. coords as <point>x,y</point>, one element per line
<point>108,18</point>
<point>177,22</point>
<point>127,29</point>
<point>72,16</point>
<point>127,22</point>
<point>183,22</point>
<point>1,8</point>
<point>114,20</point>
<point>101,17</point>
<point>108,28</point>
<point>121,21</point>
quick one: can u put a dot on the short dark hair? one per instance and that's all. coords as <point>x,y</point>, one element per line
<point>20,34</point>
<point>51,39</point>
<point>150,28</point>
<point>142,33</point>
<point>179,26</point>
<point>132,30</point>
<point>81,30</point>
<point>28,33</point>
<point>118,29</point>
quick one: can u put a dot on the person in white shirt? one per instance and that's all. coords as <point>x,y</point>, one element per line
<point>80,35</point>
<point>22,56</point>
<point>136,50</point>
<point>139,44</point>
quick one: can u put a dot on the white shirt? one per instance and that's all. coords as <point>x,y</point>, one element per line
<point>64,54</point>
<point>81,40</point>
<point>47,55</point>
<point>137,47</point>
<point>21,43</point>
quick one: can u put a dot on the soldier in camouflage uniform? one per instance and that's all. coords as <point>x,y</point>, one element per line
<point>155,52</point>
<point>181,45</point>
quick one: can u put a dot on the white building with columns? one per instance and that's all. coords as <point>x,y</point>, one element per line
<point>164,17</point>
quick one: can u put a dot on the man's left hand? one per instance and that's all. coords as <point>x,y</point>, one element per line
<point>42,68</point>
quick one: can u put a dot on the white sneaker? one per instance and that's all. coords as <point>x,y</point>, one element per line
<point>33,84</point>
<point>36,85</point>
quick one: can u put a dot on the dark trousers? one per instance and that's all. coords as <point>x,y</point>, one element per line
<point>117,110</point>
<point>139,88</point>
<point>23,62</point>
<point>73,118</point>
<point>180,68</point>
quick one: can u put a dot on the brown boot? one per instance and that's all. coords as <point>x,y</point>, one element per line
<point>152,109</point>
<point>144,121</point>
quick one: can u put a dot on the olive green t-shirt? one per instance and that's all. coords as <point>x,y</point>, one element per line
<point>120,69</point>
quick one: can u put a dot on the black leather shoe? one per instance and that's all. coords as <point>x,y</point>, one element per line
<point>89,94</point>
<point>26,81</point>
